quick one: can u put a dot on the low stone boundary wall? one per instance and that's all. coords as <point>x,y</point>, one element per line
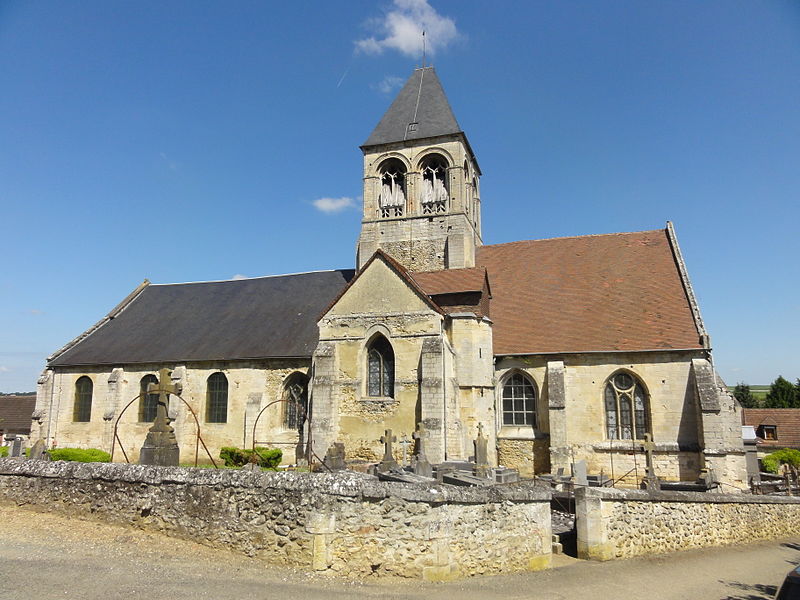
<point>345,523</point>
<point>623,523</point>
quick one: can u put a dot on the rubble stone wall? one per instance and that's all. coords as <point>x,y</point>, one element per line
<point>615,524</point>
<point>347,524</point>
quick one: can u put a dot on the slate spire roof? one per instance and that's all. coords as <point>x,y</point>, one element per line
<point>420,110</point>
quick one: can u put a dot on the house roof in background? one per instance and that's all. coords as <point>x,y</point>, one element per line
<point>15,413</point>
<point>785,420</point>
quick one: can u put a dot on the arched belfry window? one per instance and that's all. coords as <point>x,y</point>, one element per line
<point>519,401</point>
<point>435,188</point>
<point>475,201</point>
<point>82,410</point>
<point>217,399</point>
<point>392,196</point>
<point>627,415</point>
<point>380,368</point>
<point>295,397</point>
<point>148,403</point>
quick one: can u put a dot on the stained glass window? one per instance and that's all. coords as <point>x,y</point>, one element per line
<point>626,408</point>
<point>296,396</point>
<point>380,369</point>
<point>217,399</point>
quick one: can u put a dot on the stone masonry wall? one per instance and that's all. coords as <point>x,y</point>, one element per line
<point>347,524</point>
<point>615,524</point>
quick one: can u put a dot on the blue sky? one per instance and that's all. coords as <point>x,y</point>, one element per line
<point>193,140</point>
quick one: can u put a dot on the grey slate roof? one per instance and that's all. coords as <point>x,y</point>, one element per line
<point>422,99</point>
<point>218,320</point>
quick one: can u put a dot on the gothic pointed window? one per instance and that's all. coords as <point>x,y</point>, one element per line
<point>82,410</point>
<point>435,190</point>
<point>626,403</point>
<point>392,194</point>
<point>217,399</point>
<point>380,368</point>
<point>519,401</point>
<point>295,397</point>
<point>148,403</point>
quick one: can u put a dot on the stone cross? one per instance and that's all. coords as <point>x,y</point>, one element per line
<point>37,451</point>
<point>420,462</point>
<point>481,454</point>
<point>388,463</point>
<point>161,447</point>
<point>650,479</point>
<point>405,443</point>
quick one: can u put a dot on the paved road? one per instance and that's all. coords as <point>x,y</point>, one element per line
<point>46,556</point>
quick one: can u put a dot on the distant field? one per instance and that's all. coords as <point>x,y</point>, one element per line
<point>758,391</point>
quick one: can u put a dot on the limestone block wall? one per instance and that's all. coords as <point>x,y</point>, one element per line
<point>251,386</point>
<point>346,524</point>
<point>615,524</point>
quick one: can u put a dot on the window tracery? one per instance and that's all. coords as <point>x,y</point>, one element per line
<point>519,401</point>
<point>434,184</point>
<point>295,395</point>
<point>626,408</point>
<point>392,197</point>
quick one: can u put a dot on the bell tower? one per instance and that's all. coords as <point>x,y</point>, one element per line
<point>421,183</point>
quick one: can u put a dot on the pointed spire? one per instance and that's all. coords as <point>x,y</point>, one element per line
<point>420,110</point>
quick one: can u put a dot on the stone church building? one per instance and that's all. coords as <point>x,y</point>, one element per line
<point>558,349</point>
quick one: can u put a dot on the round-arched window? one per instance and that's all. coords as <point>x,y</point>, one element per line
<point>519,401</point>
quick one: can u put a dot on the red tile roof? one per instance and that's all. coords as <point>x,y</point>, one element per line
<point>591,293</point>
<point>786,421</point>
<point>451,281</point>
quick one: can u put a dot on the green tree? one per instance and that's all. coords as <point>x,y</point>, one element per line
<point>745,397</point>
<point>782,394</point>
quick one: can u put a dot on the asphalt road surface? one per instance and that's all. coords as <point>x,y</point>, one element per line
<point>45,556</point>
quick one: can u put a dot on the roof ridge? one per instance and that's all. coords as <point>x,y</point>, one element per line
<point>250,278</point>
<point>575,237</point>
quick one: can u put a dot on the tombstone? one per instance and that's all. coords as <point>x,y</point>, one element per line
<point>505,475</point>
<point>37,451</point>
<point>420,463</point>
<point>651,481</point>
<point>388,463</point>
<point>482,467</point>
<point>405,443</point>
<point>579,473</point>
<point>252,467</point>
<point>334,457</point>
<point>18,447</point>
<point>161,446</point>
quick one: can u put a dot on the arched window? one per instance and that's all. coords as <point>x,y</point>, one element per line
<point>435,187</point>
<point>82,411</point>
<point>217,399</point>
<point>295,396</point>
<point>519,401</point>
<point>148,403</point>
<point>392,196</point>
<point>380,368</point>
<point>626,408</point>
<point>475,202</point>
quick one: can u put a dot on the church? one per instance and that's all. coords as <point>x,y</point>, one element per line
<point>557,350</point>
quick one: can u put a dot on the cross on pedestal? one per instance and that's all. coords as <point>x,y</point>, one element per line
<point>388,461</point>
<point>160,446</point>
<point>405,443</point>
<point>420,462</point>
<point>650,479</point>
<point>481,454</point>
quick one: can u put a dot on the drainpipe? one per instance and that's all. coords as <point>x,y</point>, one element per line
<point>444,388</point>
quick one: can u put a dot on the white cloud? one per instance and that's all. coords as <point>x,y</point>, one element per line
<point>334,205</point>
<point>4,369</point>
<point>401,29</point>
<point>389,84</point>
<point>239,276</point>
<point>36,311</point>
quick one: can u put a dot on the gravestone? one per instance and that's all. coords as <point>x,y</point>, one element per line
<point>405,443</point>
<point>388,463</point>
<point>37,451</point>
<point>18,447</point>
<point>579,473</point>
<point>161,446</point>
<point>651,481</point>
<point>420,463</point>
<point>482,467</point>
<point>334,457</point>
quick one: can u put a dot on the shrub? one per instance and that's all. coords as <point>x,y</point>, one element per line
<point>268,458</point>
<point>3,451</point>
<point>773,460</point>
<point>79,455</point>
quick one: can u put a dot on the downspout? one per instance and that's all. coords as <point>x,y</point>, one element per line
<point>444,388</point>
